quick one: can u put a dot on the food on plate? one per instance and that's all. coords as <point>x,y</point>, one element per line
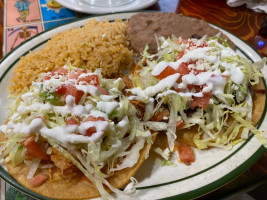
<point>73,135</point>
<point>95,45</point>
<point>144,27</point>
<point>82,132</point>
<point>197,91</point>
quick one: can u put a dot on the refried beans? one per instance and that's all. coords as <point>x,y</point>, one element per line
<point>143,27</point>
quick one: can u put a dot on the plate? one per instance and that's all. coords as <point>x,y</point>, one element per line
<point>211,170</point>
<point>80,6</point>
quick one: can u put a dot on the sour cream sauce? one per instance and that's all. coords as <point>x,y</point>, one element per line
<point>213,79</point>
<point>65,133</point>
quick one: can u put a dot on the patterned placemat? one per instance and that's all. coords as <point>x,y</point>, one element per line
<point>22,20</point>
<point>26,18</point>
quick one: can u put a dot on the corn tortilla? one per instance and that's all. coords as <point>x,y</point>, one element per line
<point>186,136</point>
<point>74,188</point>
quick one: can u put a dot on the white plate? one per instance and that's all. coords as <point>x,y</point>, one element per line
<point>80,6</point>
<point>212,169</point>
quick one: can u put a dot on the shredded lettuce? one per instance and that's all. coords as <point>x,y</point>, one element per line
<point>168,163</point>
<point>216,125</point>
<point>254,130</point>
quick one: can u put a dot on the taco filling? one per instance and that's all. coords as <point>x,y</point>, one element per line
<point>72,127</point>
<point>197,92</point>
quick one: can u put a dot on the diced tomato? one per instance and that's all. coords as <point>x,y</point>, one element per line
<point>38,180</point>
<point>102,90</point>
<point>204,44</point>
<point>182,70</point>
<point>180,55</point>
<point>166,72</point>
<point>71,121</point>
<point>160,115</point>
<point>201,102</point>
<point>198,88</point>
<point>186,153</point>
<point>33,149</point>
<point>94,119</point>
<point>90,131</point>
<point>47,77</point>
<point>75,75</point>
<point>192,62</point>
<point>91,79</point>
<point>180,124</point>
<point>61,71</point>
<point>73,91</point>
<point>189,45</point>
<point>179,90</point>
<point>190,86</point>
<point>61,89</point>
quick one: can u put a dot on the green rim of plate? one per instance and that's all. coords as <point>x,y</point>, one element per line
<point>188,195</point>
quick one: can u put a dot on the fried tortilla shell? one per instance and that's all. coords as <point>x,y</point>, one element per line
<point>73,187</point>
<point>186,136</point>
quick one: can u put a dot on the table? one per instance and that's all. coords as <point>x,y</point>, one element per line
<point>240,21</point>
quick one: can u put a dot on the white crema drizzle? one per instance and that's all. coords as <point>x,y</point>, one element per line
<point>63,133</point>
<point>212,78</point>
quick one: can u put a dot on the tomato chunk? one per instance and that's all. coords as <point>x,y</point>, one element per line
<point>179,90</point>
<point>204,44</point>
<point>91,79</point>
<point>188,46</point>
<point>47,77</point>
<point>61,89</point>
<point>201,102</point>
<point>166,72</point>
<point>38,180</point>
<point>61,71</point>
<point>180,55</point>
<point>183,70</point>
<point>102,90</point>
<point>190,86</point>
<point>75,75</point>
<point>73,91</point>
<point>94,119</point>
<point>33,149</point>
<point>186,154</point>
<point>90,131</point>
<point>71,121</point>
